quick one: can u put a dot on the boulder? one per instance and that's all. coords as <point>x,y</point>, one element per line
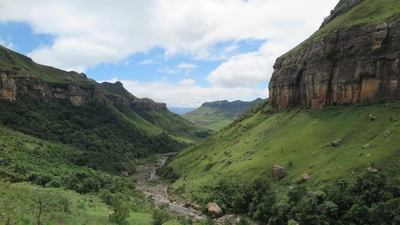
<point>125,173</point>
<point>336,142</point>
<point>214,210</point>
<point>278,172</point>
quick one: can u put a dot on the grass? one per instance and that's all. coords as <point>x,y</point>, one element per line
<point>295,138</point>
<point>22,65</point>
<point>19,204</point>
<point>370,12</point>
<point>215,116</point>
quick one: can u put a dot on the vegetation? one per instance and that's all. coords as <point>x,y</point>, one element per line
<point>217,115</point>
<point>228,164</point>
<point>107,141</point>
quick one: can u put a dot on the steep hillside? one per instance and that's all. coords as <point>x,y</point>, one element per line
<point>216,115</point>
<point>284,162</point>
<point>155,113</point>
<point>354,57</point>
<point>112,126</point>
<point>302,141</point>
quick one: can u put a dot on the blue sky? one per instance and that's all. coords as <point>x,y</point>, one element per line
<point>181,52</point>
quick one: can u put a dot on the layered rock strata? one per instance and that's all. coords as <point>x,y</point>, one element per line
<point>351,65</point>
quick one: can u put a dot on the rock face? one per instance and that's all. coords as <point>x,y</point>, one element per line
<point>11,84</point>
<point>8,88</point>
<point>350,65</point>
<point>278,172</point>
<point>214,210</point>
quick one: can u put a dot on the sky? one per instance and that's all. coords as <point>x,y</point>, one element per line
<point>180,52</point>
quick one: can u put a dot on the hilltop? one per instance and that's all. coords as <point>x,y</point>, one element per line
<point>218,114</point>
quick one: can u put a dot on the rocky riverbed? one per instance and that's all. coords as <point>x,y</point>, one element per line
<point>147,181</point>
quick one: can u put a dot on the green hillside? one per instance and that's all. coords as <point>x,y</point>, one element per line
<point>295,138</point>
<point>219,114</point>
<point>171,123</point>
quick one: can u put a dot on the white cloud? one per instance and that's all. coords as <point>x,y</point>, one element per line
<point>184,65</point>
<point>7,43</point>
<point>168,70</point>
<point>242,70</point>
<point>187,93</point>
<point>187,82</point>
<point>147,62</point>
<point>88,33</point>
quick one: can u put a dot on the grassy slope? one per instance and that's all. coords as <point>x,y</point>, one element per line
<point>290,138</point>
<point>216,118</point>
<point>23,157</point>
<point>153,120</point>
<point>209,117</point>
<point>10,60</point>
<point>19,205</point>
<point>370,12</point>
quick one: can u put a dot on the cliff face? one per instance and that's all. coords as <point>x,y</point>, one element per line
<point>346,66</point>
<point>118,95</point>
<point>12,84</point>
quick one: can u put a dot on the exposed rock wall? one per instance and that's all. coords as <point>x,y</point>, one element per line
<point>346,66</point>
<point>8,88</point>
<point>77,94</point>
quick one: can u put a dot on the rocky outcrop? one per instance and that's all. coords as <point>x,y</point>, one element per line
<point>75,93</point>
<point>8,88</point>
<point>340,10</point>
<point>214,210</point>
<point>118,95</point>
<point>147,104</point>
<point>355,64</point>
<point>278,172</point>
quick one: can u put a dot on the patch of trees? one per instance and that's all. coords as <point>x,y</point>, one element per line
<point>109,140</point>
<point>371,199</point>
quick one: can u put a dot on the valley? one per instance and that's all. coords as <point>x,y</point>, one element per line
<point>322,149</point>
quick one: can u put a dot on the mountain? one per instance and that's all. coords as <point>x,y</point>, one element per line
<point>218,114</point>
<point>353,57</point>
<point>110,125</point>
<point>324,148</point>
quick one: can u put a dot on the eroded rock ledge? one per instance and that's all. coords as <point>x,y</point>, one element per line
<point>347,66</point>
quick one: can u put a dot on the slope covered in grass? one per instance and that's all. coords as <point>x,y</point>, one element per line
<point>219,114</point>
<point>296,139</point>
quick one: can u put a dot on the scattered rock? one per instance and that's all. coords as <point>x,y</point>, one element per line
<point>225,160</point>
<point>214,210</point>
<point>386,132</point>
<point>368,155</point>
<point>310,166</point>
<point>278,172</point>
<point>371,117</point>
<point>247,141</point>
<point>289,189</point>
<point>360,154</point>
<point>328,144</point>
<point>303,179</point>
<point>125,173</point>
<point>365,146</point>
<point>203,157</point>
<point>372,169</point>
<point>336,142</point>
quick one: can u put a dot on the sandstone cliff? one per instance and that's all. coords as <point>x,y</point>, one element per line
<point>346,65</point>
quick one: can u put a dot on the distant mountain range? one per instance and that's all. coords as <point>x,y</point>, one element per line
<point>218,114</point>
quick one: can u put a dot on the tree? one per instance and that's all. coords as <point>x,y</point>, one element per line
<point>159,217</point>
